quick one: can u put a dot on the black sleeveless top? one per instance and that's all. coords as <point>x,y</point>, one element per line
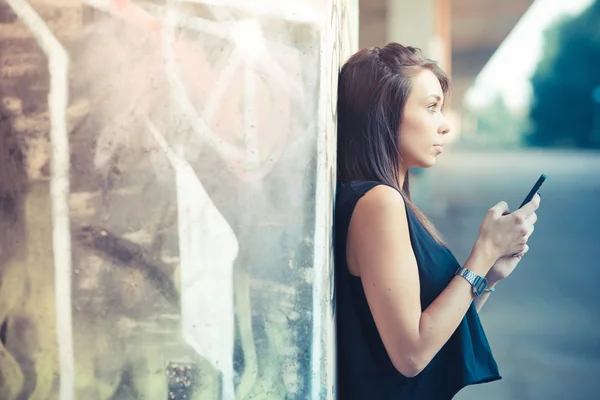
<point>365,371</point>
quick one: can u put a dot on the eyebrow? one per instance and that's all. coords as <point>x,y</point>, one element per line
<point>435,96</point>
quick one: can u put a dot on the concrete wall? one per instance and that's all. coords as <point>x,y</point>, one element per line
<point>165,201</point>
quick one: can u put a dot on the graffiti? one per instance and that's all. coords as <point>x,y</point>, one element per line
<point>169,214</point>
<point>249,75</point>
<point>207,248</point>
<point>59,188</point>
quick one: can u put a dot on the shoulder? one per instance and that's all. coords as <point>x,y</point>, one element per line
<point>379,244</point>
<point>373,192</point>
<point>381,198</point>
<point>366,206</point>
<point>379,215</point>
<point>377,203</point>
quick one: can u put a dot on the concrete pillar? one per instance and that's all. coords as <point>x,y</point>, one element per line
<point>424,24</point>
<point>167,174</point>
<point>421,23</point>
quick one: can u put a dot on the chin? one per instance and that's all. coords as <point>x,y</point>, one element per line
<point>427,163</point>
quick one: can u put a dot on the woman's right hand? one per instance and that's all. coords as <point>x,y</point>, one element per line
<point>503,233</point>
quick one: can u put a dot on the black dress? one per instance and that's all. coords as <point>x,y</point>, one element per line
<point>365,371</point>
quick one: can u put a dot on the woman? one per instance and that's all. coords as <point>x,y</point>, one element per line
<point>407,312</point>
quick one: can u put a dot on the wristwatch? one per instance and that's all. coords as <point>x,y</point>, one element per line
<point>479,283</point>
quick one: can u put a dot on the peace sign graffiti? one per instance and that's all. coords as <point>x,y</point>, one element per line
<point>236,99</point>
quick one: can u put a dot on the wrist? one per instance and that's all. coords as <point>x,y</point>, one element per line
<point>486,251</point>
<point>482,258</point>
<point>491,284</point>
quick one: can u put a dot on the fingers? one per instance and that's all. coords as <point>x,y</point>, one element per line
<point>500,209</point>
<point>529,225</point>
<point>528,235</point>
<point>525,219</point>
<point>524,212</point>
<point>525,230</point>
<point>531,219</point>
<point>518,249</point>
<point>520,254</point>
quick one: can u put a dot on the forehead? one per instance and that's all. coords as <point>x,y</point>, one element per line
<point>425,84</point>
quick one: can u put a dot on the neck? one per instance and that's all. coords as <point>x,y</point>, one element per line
<point>401,177</point>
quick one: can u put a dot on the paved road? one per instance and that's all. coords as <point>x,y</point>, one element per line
<point>544,321</point>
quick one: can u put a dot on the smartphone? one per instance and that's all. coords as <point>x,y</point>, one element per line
<point>534,190</point>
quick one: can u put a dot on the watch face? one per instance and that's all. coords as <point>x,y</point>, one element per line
<point>479,285</point>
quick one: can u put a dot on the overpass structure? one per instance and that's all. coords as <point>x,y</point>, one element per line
<point>461,34</point>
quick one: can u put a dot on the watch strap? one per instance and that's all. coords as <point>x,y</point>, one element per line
<point>478,282</point>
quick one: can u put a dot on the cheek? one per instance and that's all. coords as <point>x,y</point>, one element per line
<point>412,146</point>
<point>423,134</point>
<point>417,135</point>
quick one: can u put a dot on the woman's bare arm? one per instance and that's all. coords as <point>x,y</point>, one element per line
<point>380,251</point>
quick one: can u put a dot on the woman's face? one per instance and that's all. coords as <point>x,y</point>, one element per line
<point>423,126</point>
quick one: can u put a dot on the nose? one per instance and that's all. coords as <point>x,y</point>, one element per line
<point>444,127</point>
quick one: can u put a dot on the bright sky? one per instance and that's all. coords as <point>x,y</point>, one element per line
<point>509,69</point>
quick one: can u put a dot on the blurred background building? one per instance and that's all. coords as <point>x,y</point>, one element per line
<point>493,50</point>
<point>462,34</point>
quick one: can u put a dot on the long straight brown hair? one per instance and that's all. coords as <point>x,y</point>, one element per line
<point>373,87</point>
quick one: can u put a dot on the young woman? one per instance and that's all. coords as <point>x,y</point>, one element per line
<point>407,311</point>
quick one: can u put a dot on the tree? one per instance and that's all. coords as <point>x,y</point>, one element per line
<point>563,110</point>
<point>501,125</point>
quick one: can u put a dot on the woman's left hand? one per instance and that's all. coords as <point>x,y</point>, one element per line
<point>503,267</point>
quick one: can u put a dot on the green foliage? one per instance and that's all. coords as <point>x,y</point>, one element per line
<point>496,124</point>
<point>499,120</point>
<point>563,112</point>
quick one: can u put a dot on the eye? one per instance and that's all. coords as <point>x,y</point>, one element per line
<point>433,107</point>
